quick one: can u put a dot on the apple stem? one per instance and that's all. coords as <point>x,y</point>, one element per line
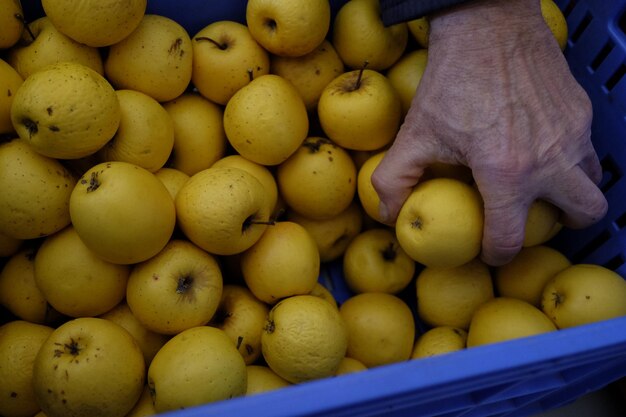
<point>222,46</point>
<point>250,74</point>
<point>22,19</point>
<point>313,146</point>
<point>357,85</point>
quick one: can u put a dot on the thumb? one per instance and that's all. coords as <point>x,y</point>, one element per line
<point>399,171</point>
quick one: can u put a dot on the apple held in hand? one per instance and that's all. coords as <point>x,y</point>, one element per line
<point>441,223</point>
<point>122,212</point>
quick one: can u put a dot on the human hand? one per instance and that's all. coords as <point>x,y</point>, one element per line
<point>497,96</point>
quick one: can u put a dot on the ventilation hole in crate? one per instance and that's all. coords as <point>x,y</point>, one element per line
<point>578,31</point>
<point>614,263</point>
<point>620,222</point>
<point>611,173</point>
<point>604,52</point>
<point>616,77</point>
<point>567,9</point>
<point>622,23</point>
<point>591,247</point>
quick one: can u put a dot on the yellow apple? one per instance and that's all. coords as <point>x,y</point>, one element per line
<point>266,121</point>
<point>88,366</point>
<point>420,30</point>
<point>439,340</point>
<point>318,180</point>
<point>501,319</point>
<point>360,110</point>
<point>526,275</point>
<point>542,223</point>
<point>197,366</point>
<point>122,212</point>
<point>10,81</point>
<point>283,262</point>
<point>381,328</point>
<point>173,179</point>
<point>156,59</point>
<point>288,27</point>
<point>260,172</point>
<point>223,210</point>
<point>225,58</point>
<point>66,111</point>
<point>35,194</point>
<point>261,378</point>
<point>449,296</point>
<point>582,294</point>
<point>242,316</point>
<point>441,223</point>
<point>74,280</point>
<point>405,75</point>
<point>19,293</point>
<point>199,137</point>
<point>368,197</point>
<point>319,290</point>
<point>332,235</point>
<point>304,339</point>
<point>309,73</point>
<point>95,23</point>
<point>145,136</point>
<point>148,341</point>
<point>178,288</point>
<point>375,262</point>
<point>349,365</point>
<point>554,18</point>
<point>50,46</point>
<point>361,38</point>
<point>143,407</point>
<point>11,22</point>
<point>19,343</point>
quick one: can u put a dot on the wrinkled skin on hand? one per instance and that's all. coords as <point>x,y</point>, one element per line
<point>497,95</point>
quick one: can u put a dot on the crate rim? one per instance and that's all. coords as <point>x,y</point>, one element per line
<point>603,341</point>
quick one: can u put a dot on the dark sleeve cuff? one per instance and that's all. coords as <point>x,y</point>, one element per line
<point>396,11</point>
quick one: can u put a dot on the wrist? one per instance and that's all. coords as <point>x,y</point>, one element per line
<point>478,21</point>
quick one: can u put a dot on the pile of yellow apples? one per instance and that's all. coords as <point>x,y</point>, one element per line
<point>168,203</point>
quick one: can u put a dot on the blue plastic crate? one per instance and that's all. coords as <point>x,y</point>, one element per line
<point>515,378</point>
